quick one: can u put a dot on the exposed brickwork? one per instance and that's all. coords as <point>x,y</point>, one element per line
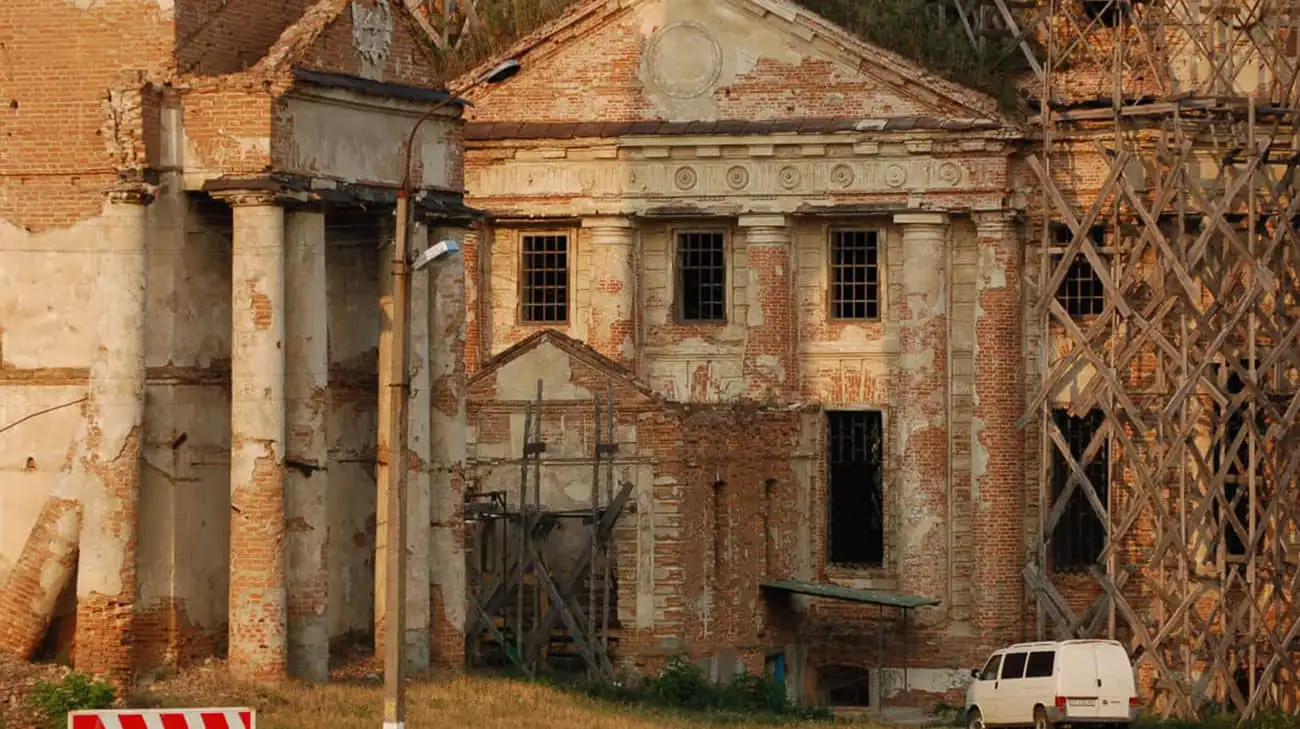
<point>769,355</point>
<point>56,107</point>
<point>216,37</point>
<point>733,492</point>
<point>999,390</point>
<point>164,634</point>
<point>43,570</point>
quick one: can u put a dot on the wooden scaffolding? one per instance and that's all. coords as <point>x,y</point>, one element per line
<point>1188,357</point>
<point>526,610</point>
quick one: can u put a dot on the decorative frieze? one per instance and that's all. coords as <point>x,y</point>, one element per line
<point>755,176</point>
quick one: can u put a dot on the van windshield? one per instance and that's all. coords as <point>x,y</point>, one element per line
<point>990,672</point>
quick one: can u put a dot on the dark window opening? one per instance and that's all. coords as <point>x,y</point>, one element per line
<point>990,672</point>
<point>1106,12</point>
<point>702,277</point>
<point>1013,666</point>
<point>845,686</point>
<point>1081,293</point>
<point>856,471</point>
<point>1041,664</point>
<point>1080,535</point>
<point>855,274</point>
<point>1236,483</point>
<point>546,278</point>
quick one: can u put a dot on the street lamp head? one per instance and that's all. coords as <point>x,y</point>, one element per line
<point>433,253</point>
<point>502,72</point>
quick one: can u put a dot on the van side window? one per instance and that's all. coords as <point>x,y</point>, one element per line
<point>990,672</point>
<point>1041,664</point>
<point>1013,666</point>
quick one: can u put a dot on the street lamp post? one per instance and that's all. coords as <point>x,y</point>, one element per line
<point>398,368</point>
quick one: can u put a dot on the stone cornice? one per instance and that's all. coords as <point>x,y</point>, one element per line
<point>989,143</point>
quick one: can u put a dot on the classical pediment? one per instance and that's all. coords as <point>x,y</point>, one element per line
<point>367,39</point>
<point>681,60</point>
<point>570,372</point>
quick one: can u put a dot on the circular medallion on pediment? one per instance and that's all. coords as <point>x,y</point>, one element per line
<point>684,60</point>
<point>789,177</point>
<point>895,176</point>
<point>842,175</point>
<point>685,178</point>
<point>737,177</point>
<point>950,174</point>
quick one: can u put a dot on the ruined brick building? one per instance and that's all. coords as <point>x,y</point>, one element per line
<point>870,343</point>
<point>192,208</point>
<point>878,345</point>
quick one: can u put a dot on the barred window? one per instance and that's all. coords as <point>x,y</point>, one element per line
<point>1081,293</point>
<point>855,274</point>
<point>701,277</point>
<point>545,278</point>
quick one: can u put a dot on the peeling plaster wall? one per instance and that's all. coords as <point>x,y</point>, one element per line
<point>682,60</point>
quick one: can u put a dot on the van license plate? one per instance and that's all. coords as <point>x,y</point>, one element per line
<point>1083,702</point>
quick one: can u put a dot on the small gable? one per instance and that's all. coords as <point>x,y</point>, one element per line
<point>679,60</point>
<point>372,39</point>
<point>569,370</point>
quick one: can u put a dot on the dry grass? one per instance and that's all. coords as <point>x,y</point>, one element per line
<point>468,702</point>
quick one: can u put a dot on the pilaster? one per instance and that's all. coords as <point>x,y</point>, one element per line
<point>921,422</point>
<point>769,365</point>
<point>997,446</point>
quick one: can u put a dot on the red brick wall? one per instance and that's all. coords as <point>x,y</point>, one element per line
<point>56,140</point>
<point>599,78</point>
<point>215,37</point>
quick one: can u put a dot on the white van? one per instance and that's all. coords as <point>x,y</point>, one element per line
<point>1076,682</point>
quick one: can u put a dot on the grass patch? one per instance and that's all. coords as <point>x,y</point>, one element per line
<point>471,702</point>
<point>1213,717</point>
<point>683,688</point>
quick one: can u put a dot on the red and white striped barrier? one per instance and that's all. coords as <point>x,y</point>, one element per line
<point>164,719</point>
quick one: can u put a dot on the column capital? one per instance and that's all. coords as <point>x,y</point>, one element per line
<point>254,197</point>
<point>993,220</point>
<point>921,219</point>
<point>763,221</point>
<point>131,193</point>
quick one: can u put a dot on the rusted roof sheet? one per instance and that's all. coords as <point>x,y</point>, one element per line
<point>490,131</point>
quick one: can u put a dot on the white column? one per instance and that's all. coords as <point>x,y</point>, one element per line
<point>114,421</point>
<point>447,342</point>
<point>922,418</point>
<point>418,506</point>
<point>258,631</point>
<point>306,478</point>
<point>613,326</point>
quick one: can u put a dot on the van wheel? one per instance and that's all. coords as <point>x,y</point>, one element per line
<point>1040,719</point>
<point>974,720</point>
